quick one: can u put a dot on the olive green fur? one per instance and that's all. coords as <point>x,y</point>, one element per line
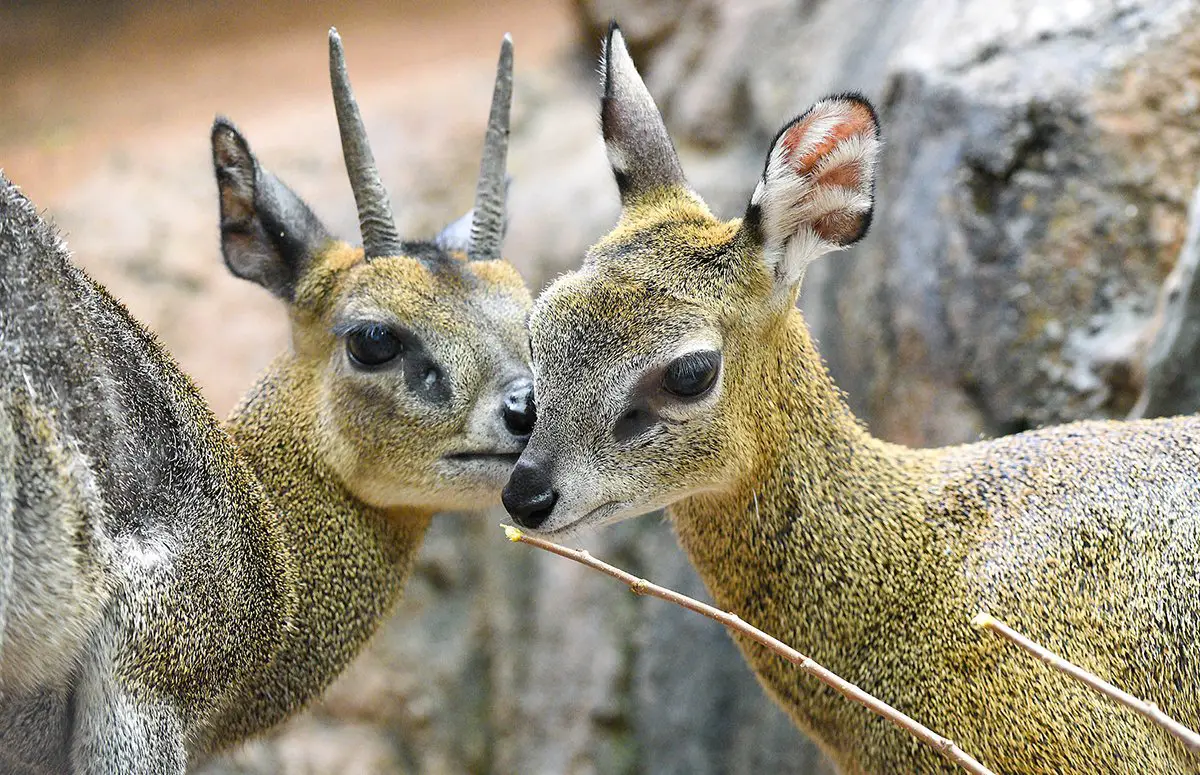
<point>349,560</point>
<point>352,558</point>
<point>872,559</point>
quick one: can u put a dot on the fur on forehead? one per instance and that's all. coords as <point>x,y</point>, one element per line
<point>598,309</point>
<point>661,225</point>
<point>424,276</point>
<point>671,239</point>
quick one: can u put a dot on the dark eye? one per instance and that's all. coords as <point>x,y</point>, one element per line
<point>372,345</point>
<point>692,374</point>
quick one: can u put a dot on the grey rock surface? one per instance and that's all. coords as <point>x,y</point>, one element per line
<point>1171,386</point>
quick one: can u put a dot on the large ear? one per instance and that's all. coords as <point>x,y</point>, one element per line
<point>268,235</point>
<point>817,191</point>
<point>639,148</point>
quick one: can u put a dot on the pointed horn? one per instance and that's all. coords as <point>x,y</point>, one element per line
<point>487,228</point>
<point>375,220</point>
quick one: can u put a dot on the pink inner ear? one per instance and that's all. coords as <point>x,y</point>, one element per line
<point>843,176</point>
<point>856,119</point>
<point>840,227</point>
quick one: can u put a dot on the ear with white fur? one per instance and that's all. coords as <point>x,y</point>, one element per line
<point>817,192</point>
<point>639,148</point>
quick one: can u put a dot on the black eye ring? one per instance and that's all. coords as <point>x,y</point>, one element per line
<point>693,374</point>
<point>372,346</point>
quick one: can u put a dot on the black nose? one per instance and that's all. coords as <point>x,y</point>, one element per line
<point>528,496</point>
<point>519,411</point>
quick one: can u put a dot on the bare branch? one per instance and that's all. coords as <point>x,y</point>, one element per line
<point>1151,711</point>
<point>942,745</point>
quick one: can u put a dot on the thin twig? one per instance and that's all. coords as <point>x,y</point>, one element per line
<point>942,745</point>
<point>1151,711</point>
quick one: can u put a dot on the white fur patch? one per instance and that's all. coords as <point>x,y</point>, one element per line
<point>855,149</point>
<point>819,129</point>
<point>756,197</point>
<point>827,200</point>
<point>791,201</point>
<point>616,157</point>
<point>798,253</point>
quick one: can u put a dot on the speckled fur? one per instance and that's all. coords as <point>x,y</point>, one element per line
<point>356,556</point>
<point>870,557</point>
<point>174,587</point>
<point>147,578</point>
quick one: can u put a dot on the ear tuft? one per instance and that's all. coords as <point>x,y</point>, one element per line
<point>606,56</point>
<point>268,235</point>
<point>639,148</point>
<point>817,190</point>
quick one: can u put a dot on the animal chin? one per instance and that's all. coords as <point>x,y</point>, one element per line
<point>604,514</point>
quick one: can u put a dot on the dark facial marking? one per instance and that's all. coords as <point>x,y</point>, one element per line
<point>636,421</point>
<point>424,377</point>
<point>684,379</point>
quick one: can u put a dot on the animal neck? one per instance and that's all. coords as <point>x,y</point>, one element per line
<point>817,512</point>
<point>349,560</point>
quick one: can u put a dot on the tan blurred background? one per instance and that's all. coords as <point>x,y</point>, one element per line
<point>1040,159</point>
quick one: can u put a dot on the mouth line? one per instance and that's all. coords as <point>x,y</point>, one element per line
<point>509,458</point>
<point>604,510</point>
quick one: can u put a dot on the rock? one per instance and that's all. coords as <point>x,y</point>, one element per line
<point>1171,386</point>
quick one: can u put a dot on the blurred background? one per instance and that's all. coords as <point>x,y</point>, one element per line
<point>1040,160</point>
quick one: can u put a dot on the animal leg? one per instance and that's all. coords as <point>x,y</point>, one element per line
<point>123,732</point>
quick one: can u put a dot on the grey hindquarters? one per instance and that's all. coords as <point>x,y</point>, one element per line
<point>35,733</point>
<point>59,578</point>
<point>64,707</point>
<point>57,592</point>
<point>144,579</point>
<point>54,563</point>
<point>8,488</point>
<point>55,567</point>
